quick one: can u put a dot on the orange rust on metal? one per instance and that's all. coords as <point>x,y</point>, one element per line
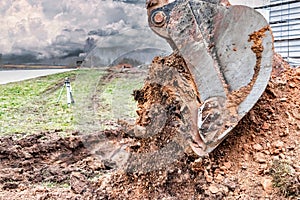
<point>159,18</point>
<point>237,96</point>
<point>153,4</point>
<point>257,46</point>
<point>225,2</point>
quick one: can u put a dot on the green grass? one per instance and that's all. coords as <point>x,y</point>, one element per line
<point>31,106</point>
<point>116,99</point>
<point>112,101</point>
<point>284,178</point>
<point>55,185</point>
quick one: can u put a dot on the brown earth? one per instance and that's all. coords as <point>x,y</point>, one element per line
<point>259,160</point>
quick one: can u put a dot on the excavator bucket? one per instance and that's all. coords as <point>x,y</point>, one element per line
<point>228,50</point>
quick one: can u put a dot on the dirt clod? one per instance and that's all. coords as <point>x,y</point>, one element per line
<point>260,157</point>
<point>213,189</point>
<point>78,182</point>
<point>267,184</point>
<point>257,147</point>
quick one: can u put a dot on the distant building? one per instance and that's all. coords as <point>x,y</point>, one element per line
<point>285,23</point>
<point>284,19</point>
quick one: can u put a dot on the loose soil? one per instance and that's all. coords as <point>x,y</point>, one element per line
<point>259,160</point>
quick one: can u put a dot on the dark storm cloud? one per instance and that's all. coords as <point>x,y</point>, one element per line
<point>105,32</point>
<point>54,28</point>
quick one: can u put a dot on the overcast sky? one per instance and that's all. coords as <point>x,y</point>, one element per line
<point>55,28</point>
<point>49,28</point>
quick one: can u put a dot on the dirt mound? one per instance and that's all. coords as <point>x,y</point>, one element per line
<point>260,158</point>
<point>262,148</point>
<point>32,163</point>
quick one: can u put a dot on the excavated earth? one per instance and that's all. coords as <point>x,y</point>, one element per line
<point>259,160</point>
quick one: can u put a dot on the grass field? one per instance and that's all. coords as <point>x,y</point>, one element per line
<point>31,106</point>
